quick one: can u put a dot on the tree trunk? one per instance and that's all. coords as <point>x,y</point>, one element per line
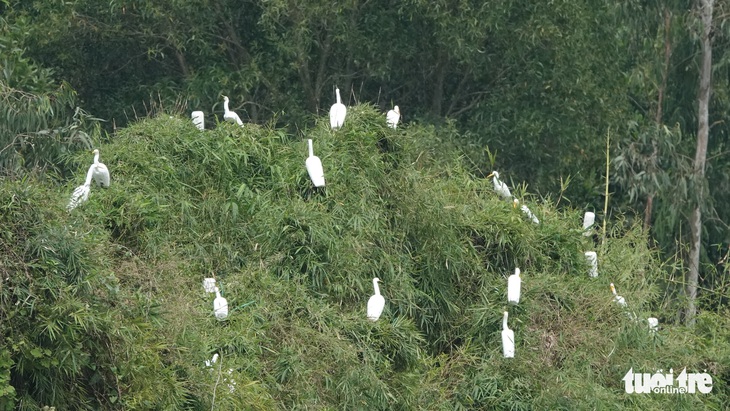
<point>703,130</point>
<point>438,84</point>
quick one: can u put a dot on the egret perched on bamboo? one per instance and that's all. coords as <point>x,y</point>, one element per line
<point>338,112</point>
<point>499,186</point>
<point>81,193</point>
<point>653,324</point>
<point>392,117</point>
<point>209,285</point>
<point>101,173</point>
<point>230,116</point>
<point>220,305</point>
<point>376,302</point>
<point>508,339</point>
<point>526,211</point>
<point>592,258</point>
<point>622,303</point>
<point>514,285</point>
<point>617,298</point>
<point>228,380</point>
<point>209,363</point>
<point>589,218</point>
<point>198,119</point>
<point>314,167</point>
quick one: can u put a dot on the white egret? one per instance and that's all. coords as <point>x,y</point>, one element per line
<point>338,112</point>
<point>592,258</point>
<point>209,363</point>
<point>588,219</point>
<point>229,381</point>
<point>230,116</point>
<point>526,211</point>
<point>508,339</point>
<point>209,285</point>
<point>314,167</point>
<point>376,302</point>
<point>392,117</point>
<point>101,173</point>
<point>499,186</point>
<point>653,324</point>
<point>514,285</point>
<point>617,298</point>
<point>220,305</point>
<point>81,193</point>
<point>198,119</point>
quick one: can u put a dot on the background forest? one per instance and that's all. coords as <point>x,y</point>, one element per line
<point>616,107</point>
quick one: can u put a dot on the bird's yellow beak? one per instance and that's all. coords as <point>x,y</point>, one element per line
<point>490,174</point>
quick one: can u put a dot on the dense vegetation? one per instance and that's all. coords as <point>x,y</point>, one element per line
<point>103,307</point>
<point>580,104</point>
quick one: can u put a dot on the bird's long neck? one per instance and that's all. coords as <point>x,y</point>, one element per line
<point>311,148</point>
<point>504,321</point>
<point>337,92</point>
<point>375,286</point>
<point>96,158</point>
<point>89,175</point>
<point>613,289</point>
<point>225,106</point>
<point>217,293</point>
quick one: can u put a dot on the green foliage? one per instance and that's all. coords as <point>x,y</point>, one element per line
<point>102,308</point>
<point>67,345</point>
<point>41,129</point>
<point>41,122</point>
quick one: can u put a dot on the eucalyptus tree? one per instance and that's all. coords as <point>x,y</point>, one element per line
<point>705,8</point>
<point>657,167</point>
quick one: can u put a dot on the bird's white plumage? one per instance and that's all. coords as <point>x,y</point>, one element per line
<point>592,258</point>
<point>81,193</point>
<point>198,119</point>
<point>228,380</point>
<point>376,303</point>
<point>338,112</point>
<point>617,298</point>
<point>514,285</point>
<point>209,363</point>
<point>589,218</point>
<point>653,323</point>
<point>508,339</point>
<point>499,186</point>
<point>220,305</point>
<point>392,117</point>
<point>526,211</point>
<point>529,214</point>
<point>101,173</point>
<point>230,116</point>
<point>209,285</point>
<point>314,167</point>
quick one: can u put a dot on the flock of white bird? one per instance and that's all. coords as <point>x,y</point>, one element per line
<point>338,113</point>
<point>99,173</point>
<point>514,282</point>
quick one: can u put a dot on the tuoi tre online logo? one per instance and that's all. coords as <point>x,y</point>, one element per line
<point>658,383</point>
